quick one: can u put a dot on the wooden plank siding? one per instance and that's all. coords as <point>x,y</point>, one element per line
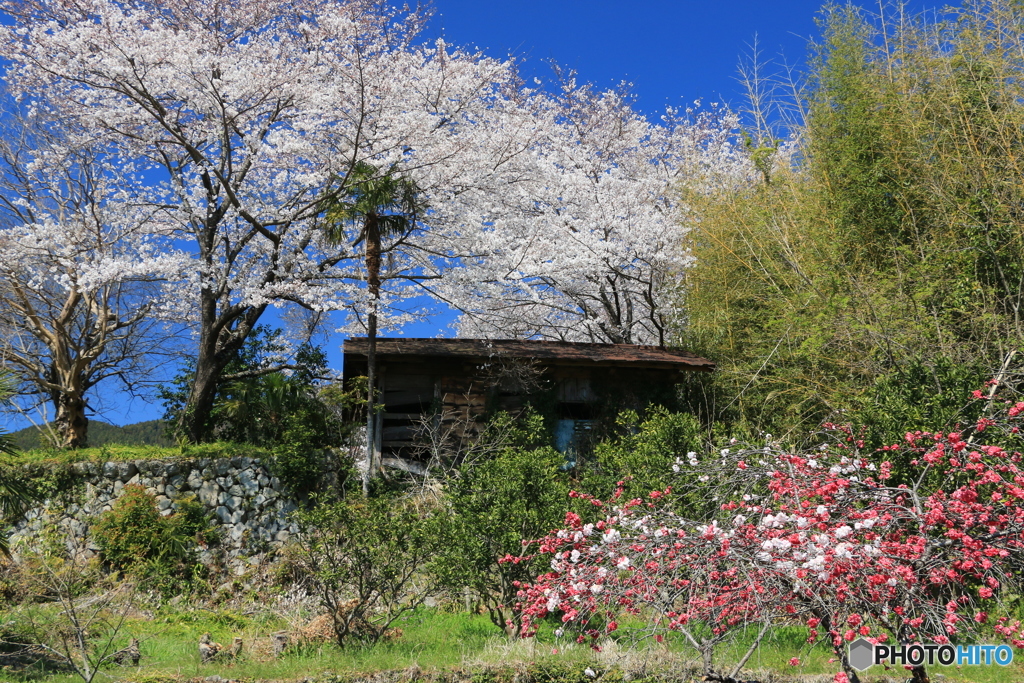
<point>451,382</point>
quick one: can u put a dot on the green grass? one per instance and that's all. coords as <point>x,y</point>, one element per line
<point>784,643</point>
<point>121,453</point>
<point>169,644</point>
<point>438,641</point>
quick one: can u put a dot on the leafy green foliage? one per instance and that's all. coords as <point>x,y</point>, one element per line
<point>134,538</point>
<point>644,457</point>
<point>364,557</point>
<point>915,397</point>
<point>889,248</point>
<point>15,495</point>
<point>296,415</point>
<point>148,433</point>
<point>254,405</point>
<point>494,504</point>
<point>303,454</point>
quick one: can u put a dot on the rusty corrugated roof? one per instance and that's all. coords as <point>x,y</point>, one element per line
<point>574,352</point>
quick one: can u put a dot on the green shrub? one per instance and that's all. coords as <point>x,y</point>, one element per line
<point>134,538</point>
<point>493,504</point>
<point>642,456</point>
<point>132,530</point>
<point>191,520</point>
<point>365,557</point>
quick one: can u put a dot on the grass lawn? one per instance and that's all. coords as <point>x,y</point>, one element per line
<point>460,647</point>
<point>120,453</point>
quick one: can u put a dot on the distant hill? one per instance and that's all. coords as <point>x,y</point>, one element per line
<point>150,433</point>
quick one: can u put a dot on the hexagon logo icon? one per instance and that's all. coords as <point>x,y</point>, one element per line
<point>862,654</point>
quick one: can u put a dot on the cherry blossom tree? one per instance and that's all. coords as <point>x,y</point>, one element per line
<point>82,262</point>
<point>585,241</point>
<point>551,216</point>
<point>245,114</point>
<point>827,537</point>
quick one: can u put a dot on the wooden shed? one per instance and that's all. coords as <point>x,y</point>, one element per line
<point>457,380</point>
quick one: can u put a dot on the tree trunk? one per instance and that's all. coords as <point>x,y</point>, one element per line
<point>373,286</point>
<point>371,411</point>
<point>67,394</point>
<point>194,422</point>
<point>71,423</point>
<point>218,346</point>
<point>841,651</point>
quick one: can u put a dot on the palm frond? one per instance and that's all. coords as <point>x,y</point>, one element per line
<point>394,201</point>
<point>15,497</point>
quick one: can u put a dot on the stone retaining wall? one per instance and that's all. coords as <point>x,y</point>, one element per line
<point>244,499</point>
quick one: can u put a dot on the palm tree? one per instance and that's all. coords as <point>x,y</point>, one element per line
<point>381,205</point>
<point>14,497</point>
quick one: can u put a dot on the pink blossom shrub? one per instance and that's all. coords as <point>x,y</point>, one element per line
<point>822,537</point>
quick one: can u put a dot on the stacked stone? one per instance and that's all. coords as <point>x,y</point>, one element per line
<point>249,505</point>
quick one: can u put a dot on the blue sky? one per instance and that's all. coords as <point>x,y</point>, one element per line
<point>671,52</point>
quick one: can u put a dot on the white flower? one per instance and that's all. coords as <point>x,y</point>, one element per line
<point>776,544</point>
<point>815,563</point>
